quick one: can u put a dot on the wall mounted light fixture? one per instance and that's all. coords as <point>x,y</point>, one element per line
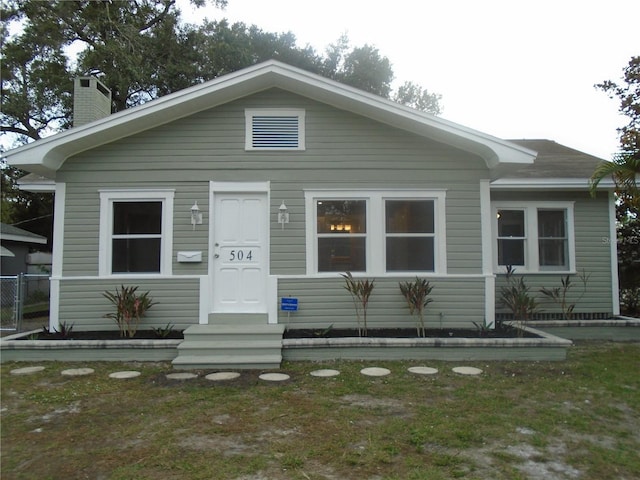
<point>196,215</point>
<point>283,214</point>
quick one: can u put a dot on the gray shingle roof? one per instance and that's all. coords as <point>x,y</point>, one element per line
<point>9,232</point>
<point>555,161</point>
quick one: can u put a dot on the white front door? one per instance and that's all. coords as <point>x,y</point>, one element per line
<point>240,252</point>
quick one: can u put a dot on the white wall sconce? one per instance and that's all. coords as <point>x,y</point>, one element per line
<point>283,214</point>
<point>196,215</point>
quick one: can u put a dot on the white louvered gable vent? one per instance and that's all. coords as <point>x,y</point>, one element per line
<point>275,129</point>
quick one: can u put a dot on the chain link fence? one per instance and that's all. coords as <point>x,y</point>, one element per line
<point>23,297</point>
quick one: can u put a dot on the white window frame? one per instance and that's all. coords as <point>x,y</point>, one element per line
<point>107,199</point>
<point>531,239</point>
<point>250,113</point>
<point>376,231</point>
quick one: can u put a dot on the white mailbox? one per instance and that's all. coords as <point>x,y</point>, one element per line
<point>189,257</point>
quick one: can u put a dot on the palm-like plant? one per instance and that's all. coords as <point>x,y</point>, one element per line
<point>624,169</point>
<point>360,291</point>
<point>417,296</point>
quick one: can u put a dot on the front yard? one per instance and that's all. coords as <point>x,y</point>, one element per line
<point>578,419</point>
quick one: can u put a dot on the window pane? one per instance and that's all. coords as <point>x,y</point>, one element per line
<point>510,252</point>
<point>409,216</point>
<point>131,218</point>
<point>410,254</point>
<point>141,255</point>
<point>342,216</point>
<point>341,254</point>
<point>553,253</point>
<point>510,223</point>
<point>551,223</point>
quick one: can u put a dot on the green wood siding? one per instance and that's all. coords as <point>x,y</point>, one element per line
<point>343,151</point>
<point>82,303</point>
<point>593,254</point>
<point>324,301</point>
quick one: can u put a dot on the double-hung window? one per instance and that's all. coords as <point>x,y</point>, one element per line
<point>534,236</point>
<point>376,232</point>
<point>512,237</point>
<point>410,235</point>
<point>135,232</point>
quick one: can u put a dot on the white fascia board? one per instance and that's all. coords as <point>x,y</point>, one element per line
<point>493,150</point>
<point>45,156</point>
<point>548,184</point>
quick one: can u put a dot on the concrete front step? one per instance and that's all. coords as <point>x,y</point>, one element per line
<point>233,329</point>
<point>239,346</point>
<point>238,362</point>
<point>256,347</point>
<point>230,333</point>
<point>238,318</point>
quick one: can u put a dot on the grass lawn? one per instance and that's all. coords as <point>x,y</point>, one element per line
<point>578,419</point>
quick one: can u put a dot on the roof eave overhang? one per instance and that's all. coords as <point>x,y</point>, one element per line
<point>549,184</point>
<point>46,156</point>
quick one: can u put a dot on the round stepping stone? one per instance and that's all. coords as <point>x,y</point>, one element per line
<point>26,370</point>
<point>274,377</point>
<point>181,376</point>
<point>467,370</point>
<point>327,372</point>
<point>125,374</point>
<point>423,370</point>
<point>77,372</point>
<point>219,376</point>
<point>375,372</point>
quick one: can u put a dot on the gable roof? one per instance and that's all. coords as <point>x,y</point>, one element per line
<point>46,156</point>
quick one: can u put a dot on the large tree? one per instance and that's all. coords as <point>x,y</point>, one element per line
<point>625,166</point>
<point>625,169</point>
<point>142,51</point>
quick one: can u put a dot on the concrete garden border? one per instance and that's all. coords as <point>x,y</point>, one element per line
<point>617,329</point>
<point>12,349</point>
<point>545,347</point>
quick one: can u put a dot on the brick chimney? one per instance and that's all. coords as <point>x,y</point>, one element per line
<point>91,100</point>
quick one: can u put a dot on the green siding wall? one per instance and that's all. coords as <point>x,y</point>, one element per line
<point>324,301</point>
<point>83,305</point>
<point>343,151</point>
<point>593,254</point>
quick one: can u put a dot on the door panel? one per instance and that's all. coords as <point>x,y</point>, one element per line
<point>239,253</point>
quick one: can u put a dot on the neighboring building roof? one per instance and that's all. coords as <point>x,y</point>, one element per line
<point>15,234</point>
<point>555,166</point>
<point>45,156</point>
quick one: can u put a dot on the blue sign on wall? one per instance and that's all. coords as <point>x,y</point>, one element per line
<point>289,304</point>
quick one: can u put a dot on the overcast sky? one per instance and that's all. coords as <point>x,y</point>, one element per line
<point>509,68</point>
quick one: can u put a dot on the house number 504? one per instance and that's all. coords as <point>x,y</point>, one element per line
<point>240,255</point>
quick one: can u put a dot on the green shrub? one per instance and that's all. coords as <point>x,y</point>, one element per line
<point>516,297</point>
<point>130,307</point>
